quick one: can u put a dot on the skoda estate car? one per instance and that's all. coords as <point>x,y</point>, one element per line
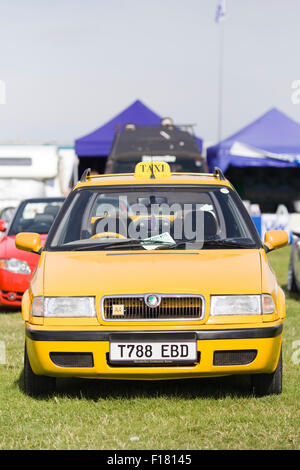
<point>172,283</point>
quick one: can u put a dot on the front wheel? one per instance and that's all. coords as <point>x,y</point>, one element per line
<point>36,385</point>
<point>268,384</point>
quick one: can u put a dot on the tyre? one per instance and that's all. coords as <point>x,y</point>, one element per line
<point>268,384</point>
<point>36,385</point>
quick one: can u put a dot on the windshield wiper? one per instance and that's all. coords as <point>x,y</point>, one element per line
<point>228,243</point>
<point>133,243</point>
<point>213,243</point>
<point>123,243</point>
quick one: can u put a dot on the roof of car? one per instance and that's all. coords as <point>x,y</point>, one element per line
<point>43,199</point>
<point>175,178</point>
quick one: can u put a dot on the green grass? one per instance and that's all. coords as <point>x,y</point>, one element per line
<point>186,415</point>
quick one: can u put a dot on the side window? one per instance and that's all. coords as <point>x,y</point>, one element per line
<point>235,226</point>
<point>69,228</point>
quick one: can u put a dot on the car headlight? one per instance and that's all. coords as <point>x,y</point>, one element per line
<point>241,304</point>
<point>72,307</point>
<point>15,266</point>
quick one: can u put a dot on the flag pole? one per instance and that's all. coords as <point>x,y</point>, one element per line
<point>220,97</point>
<point>220,17</point>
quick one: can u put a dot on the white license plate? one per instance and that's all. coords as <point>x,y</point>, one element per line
<point>179,351</point>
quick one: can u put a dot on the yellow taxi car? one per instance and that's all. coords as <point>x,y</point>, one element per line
<point>172,282</point>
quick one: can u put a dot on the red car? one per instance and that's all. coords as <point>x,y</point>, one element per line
<point>17,266</point>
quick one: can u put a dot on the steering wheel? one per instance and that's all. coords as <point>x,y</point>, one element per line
<point>108,235</point>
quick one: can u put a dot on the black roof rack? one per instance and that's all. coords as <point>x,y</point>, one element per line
<point>85,175</point>
<point>219,173</point>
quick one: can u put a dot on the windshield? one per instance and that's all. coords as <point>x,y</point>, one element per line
<point>141,218</point>
<point>35,216</point>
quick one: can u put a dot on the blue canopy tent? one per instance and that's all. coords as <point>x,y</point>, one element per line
<point>273,140</point>
<point>97,144</point>
<point>262,161</point>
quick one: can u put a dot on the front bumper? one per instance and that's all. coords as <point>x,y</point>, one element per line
<point>12,284</point>
<point>265,341</point>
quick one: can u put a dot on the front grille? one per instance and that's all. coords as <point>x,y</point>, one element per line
<point>234,358</point>
<point>175,307</point>
<point>70,359</point>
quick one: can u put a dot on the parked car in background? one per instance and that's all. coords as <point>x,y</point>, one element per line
<point>293,284</point>
<point>5,217</point>
<point>167,142</point>
<point>16,266</point>
<point>7,213</point>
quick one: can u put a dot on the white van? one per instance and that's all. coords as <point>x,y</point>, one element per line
<point>28,171</point>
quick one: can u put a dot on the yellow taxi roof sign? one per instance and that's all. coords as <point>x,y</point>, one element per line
<point>152,170</point>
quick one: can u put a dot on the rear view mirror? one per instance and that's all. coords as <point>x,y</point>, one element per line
<point>29,241</point>
<point>297,232</point>
<point>276,239</point>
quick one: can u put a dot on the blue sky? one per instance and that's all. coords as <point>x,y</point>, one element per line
<point>71,65</point>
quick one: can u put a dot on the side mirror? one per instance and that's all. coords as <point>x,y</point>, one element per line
<point>275,239</point>
<point>2,225</point>
<point>295,232</point>
<point>29,241</point>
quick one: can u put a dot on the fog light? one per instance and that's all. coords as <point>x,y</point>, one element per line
<point>12,296</point>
